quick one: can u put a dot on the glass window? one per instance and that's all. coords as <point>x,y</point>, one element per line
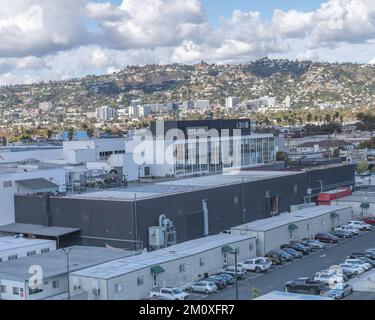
<point>16,290</point>
<point>118,287</point>
<point>3,289</point>
<point>31,253</point>
<point>45,250</point>
<point>55,284</point>
<point>13,257</point>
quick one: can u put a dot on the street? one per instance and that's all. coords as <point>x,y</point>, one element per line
<point>275,278</point>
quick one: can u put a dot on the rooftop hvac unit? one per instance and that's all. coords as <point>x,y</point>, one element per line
<point>163,235</point>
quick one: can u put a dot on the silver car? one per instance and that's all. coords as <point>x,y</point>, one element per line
<point>206,287</point>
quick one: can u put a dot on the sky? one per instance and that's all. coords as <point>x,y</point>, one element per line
<point>42,40</point>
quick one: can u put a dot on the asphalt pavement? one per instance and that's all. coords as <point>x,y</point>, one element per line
<point>274,279</point>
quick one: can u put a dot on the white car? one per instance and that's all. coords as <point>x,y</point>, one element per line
<point>357,270</point>
<point>360,225</point>
<point>232,271</point>
<point>258,265</point>
<point>358,262</point>
<point>329,278</point>
<point>168,293</point>
<point>203,287</point>
<point>348,228</point>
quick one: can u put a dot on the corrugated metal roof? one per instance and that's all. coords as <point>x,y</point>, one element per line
<point>37,230</point>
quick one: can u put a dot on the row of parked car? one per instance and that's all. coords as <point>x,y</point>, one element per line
<point>227,276</point>
<point>332,282</point>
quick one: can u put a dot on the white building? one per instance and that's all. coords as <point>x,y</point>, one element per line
<point>305,223</point>
<point>16,247</point>
<point>362,203</point>
<point>45,106</point>
<point>231,102</point>
<point>16,276</point>
<point>28,178</point>
<point>105,113</point>
<point>10,154</point>
<point>202,104</point>
<point>180,265</point>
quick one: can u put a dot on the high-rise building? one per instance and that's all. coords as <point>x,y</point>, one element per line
<point>105,113</point>
<point>231,102</point>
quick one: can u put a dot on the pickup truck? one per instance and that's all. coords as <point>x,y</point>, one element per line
<point>258,264</point>
<point>305,285</point>
<point>169,293</point>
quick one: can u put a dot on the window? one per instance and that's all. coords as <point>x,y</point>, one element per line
<point>295,188</point>
<point>31,253</point>
<point>308,226</point>
<point>45,250</point>
<point>55,284</point>
<point>16,290</point>
<point>13,257</point>
<point>251,247</point>
<point>118,287</point>
<point>225,256</point>
<point>140,281</point>
<point>34,290</point>
<point>3,289</point>
<point>201,262</point>
<point>322,222</point>
<point>182,267</point>
<point>154,280</point>
<point>7,184</point>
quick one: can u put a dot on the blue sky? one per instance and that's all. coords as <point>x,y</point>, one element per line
<point>46,40</point>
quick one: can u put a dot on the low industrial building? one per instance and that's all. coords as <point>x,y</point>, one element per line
<point>362,203</point>
<point>16,247</point>
<point>297,225</point>
<point>17,277</point>
<point>231,199</point>
<point>131,278</point>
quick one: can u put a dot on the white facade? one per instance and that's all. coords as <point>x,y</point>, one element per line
<point>231,102</point>
<point>18,154</point>
<point>9,186</point>
<point>300,224</point>
<point>202,104</point>
<point>179,265</point>
<point>15,247</point>
<point>105,113</point>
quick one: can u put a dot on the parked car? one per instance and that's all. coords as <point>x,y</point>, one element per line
<point>347,228</point>
<point>232,271</point>
<point>369,255</point>
<point>314,244</point>
<point>366,260</point>
<point>258,265</point>
<point>369,220</point>
<point>343,233</point>
<point>340,291</point>
<point>360,225</point>
<point>297,246</point>
<point>348,272</point>
<point>357,270</point>
<point>284,256</point>
<point>275,258</point>
<point>203,287</point>
<point>329,278</point>
<point>294,253</point>
<point>305,285</point>
<point>360,263</point>
<point>227,277</point>
<point>218,281</point>
<point>327,238</point>
<point>169,293</point>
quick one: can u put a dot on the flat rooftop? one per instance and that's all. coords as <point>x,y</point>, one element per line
<point>37,230</point>
<point>288,218</point>
<point>11,243</point>
<point>360,196</point>
<point>28,148</point>
<point>126,265</point>
<point>182,185</point>
<point>54,263</point>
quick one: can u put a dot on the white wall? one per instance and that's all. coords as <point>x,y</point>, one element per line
<point>213,261</point>
<point>56,176</point>
<point>22,251</point>
<point>41,155</point>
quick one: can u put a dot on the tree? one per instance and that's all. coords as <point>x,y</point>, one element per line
<point>281,156</point>
<point>70,134</point>
<point>255,293</point>
<point>90,132</point>
<point>362,166</point>
<point>309,117</point>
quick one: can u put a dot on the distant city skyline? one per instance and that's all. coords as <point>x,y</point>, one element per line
<point>55,40</point>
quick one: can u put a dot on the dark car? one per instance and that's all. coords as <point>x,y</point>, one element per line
<point>227,278</point>
<point>369,255</point>
<point>218,281</point>
<point>275,258</point>
<point>342,234</point>
<point>294,253</point>
<point>327,238</point>
<point>305,285</point>
<point>297,246</point>
<point>369,220</point>
<point>284,256</point>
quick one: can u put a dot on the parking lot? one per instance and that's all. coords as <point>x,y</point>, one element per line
<point>274,279</point>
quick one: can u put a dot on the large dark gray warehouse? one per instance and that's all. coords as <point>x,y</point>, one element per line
<point>195,206</point>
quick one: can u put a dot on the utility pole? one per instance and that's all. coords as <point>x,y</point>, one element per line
<point>235,270</point>
<point>243,201</point>
<point>67,251</point>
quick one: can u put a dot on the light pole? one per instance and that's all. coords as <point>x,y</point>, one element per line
<point>243,201</point>
<point>321,185</point>
<point>235,270</point>
<point>67,251</point>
